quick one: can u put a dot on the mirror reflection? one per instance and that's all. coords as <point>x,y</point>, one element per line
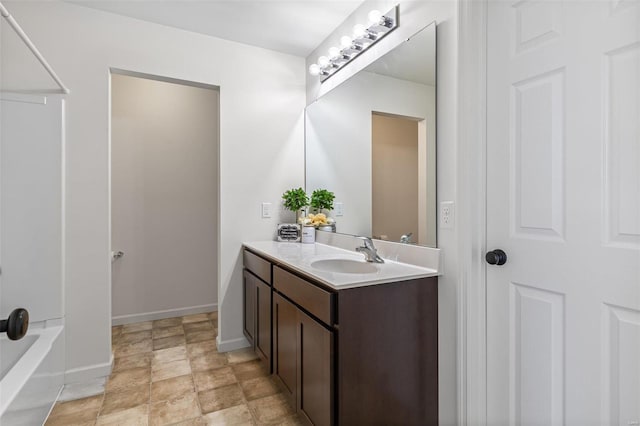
<point>372,141</point>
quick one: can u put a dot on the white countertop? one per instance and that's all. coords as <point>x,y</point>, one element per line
<point>299,257</point>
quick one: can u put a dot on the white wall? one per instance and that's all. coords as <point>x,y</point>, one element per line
<point>164,198</point>
<point>262,96</point>
<point>413,16</point>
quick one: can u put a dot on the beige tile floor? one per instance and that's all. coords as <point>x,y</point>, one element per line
<point>169,372</point>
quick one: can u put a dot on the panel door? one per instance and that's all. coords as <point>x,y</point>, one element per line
<point>263,323</point>
<point>315,371</point>
<point>249,289</point>
<point>563,201</point>
<point>285,352</point>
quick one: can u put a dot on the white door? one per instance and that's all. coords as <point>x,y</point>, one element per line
<point>563,202</point>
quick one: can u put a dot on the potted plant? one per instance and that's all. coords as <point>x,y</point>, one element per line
<point>321,199</point>
<point>295,200</point>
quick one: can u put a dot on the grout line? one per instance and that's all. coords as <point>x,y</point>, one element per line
<point>150,380</point>
<point>193,379</point>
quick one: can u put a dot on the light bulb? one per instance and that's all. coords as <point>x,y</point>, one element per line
<point>323,61</point>
<point>359,31</point>
<point>346,42</point>
<point>374,17</point>
<point>314,69</point>
<point>334,53</point>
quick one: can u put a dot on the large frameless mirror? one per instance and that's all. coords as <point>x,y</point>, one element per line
<point>372,141</point>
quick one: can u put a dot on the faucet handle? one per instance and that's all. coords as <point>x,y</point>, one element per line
<point>369,250</point>
<point>406,238</point>
<point>367,242</point>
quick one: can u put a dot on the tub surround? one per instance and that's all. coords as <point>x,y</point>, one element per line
<point>300,258</point>
<point>34,374</point>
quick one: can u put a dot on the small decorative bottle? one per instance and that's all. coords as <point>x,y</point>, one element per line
<point>308,234</point>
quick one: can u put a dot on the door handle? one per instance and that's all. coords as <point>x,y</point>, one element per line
<point>115,255</point>
<point>16,325</point>
<point>496,257</point>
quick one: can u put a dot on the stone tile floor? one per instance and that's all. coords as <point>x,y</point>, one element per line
<point>169,372</point>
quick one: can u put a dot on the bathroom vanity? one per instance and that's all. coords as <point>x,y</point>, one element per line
<point>349,342</point>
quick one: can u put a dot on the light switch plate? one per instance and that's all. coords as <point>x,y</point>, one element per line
<point>338,209</point>
<point>266,210</point>
<point>447,214</point>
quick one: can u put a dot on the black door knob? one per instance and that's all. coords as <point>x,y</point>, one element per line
<point>496,257</point>
<point>16,325</point>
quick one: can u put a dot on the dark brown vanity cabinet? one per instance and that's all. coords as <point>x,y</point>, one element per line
<point>285,346</point>
<point>365,355</point>
<point>315,371</point>
<point>257,297</point>
<point>303,361</point>
<point>249,299</point>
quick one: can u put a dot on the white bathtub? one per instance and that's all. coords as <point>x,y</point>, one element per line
<point>31,375</point>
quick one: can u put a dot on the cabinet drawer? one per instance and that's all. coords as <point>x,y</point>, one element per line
<point>260,267</point>
<point>310,297</point>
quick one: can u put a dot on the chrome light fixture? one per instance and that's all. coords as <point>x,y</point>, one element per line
<point>362,38</point>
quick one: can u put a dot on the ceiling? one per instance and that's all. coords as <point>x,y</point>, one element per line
<point>296,27</point>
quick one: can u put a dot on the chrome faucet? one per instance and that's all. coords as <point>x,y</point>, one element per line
<point>406,238</point>
<point>369,250</point>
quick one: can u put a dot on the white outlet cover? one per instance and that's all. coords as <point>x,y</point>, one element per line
<point>338,209</point>
<point>447,214</point>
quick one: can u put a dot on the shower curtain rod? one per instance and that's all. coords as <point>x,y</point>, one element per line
<point>25,38</point>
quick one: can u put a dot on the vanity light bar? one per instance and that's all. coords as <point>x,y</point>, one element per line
<point>351,46</point>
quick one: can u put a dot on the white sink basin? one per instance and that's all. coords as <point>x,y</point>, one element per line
<point>345,266</point>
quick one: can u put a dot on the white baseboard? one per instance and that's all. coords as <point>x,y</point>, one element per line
<point>73,391</point>
<point>88,374</point>
<point>232,345</point>
<point>157,315</point>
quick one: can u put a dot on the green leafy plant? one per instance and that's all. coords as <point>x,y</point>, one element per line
<point>295,199</point>
<point>322,199</point>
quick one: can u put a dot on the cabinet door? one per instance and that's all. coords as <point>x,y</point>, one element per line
<point>285,326</point>
<point>315,371</point>
<point>263,323</point>
<point>249,299</point>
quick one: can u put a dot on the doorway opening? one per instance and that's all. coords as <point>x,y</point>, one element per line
<point>401,184</point>
<point>164,197</point>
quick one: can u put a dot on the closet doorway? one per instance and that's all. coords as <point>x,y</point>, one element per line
<point>164,197</point>
<point>399,184</point>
